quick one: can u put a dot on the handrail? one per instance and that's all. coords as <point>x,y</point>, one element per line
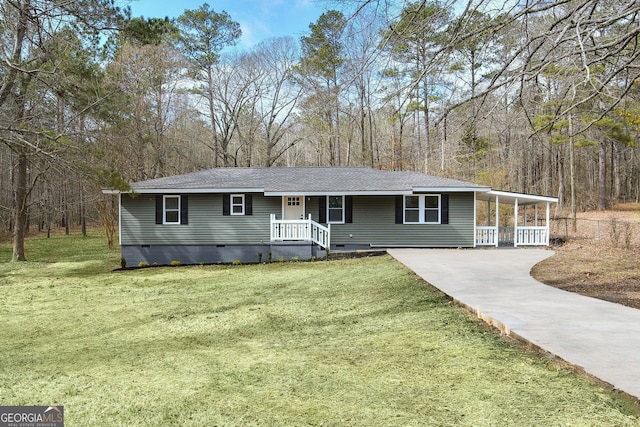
<point>300,229</point>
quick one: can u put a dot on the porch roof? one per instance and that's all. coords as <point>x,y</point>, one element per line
<point>510,198</point>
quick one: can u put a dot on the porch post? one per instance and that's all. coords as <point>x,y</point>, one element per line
<point>515,224</point>
<point>547,221</point>
<point>475,219</point>
<point>497,221</point>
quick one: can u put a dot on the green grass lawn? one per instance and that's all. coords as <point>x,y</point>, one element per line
<point>347,342</point>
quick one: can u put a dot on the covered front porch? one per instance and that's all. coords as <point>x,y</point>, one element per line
<point>527,225</point>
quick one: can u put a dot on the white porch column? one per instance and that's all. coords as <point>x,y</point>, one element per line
<point>475,219</point>
<point>497,221</point>
<point>515,224</point>
<point>547,221</point>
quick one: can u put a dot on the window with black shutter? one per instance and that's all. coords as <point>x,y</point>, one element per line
<point>237,204</point>
<point>172,209</point>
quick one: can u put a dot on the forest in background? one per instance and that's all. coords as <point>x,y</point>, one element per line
<point>533,96</point>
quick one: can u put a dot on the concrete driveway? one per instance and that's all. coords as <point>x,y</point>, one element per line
<point>600,337</point>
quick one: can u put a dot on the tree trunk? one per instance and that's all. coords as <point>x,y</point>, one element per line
<point>572,182</point>
<point>371,151</point>
<point>20,213</point>
<point>212,113</point>
<point>602,176</point>
<point>83,213</point>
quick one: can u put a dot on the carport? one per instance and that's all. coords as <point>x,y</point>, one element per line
<point>530,223</point>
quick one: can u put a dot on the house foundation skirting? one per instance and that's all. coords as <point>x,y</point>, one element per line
<point>213,254</point>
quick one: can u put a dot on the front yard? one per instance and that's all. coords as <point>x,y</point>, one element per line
<point>347,342</point>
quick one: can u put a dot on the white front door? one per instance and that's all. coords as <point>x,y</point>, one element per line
<point>293,207</point>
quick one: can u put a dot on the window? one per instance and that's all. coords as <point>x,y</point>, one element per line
<point>422,209</point>
<point>432,209</point>
<point>412,209</point>
<point>171,211</point>
<point>237,204</point>
<point>335,209</point>
<point>293,201</point>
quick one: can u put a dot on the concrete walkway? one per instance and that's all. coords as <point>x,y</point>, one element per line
<point>600,337</point>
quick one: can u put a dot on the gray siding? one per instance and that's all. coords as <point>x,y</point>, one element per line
<point>374,224</point>
<point>206,225</point>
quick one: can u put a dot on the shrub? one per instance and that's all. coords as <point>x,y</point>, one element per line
<point>143,264</point>
<point>614,232</point>
<point>123,262</point>
<point>175,263</point>
<point>236,262</point>
<point>259,257</point>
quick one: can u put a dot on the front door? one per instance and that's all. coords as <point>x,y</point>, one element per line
<point>293,207</point>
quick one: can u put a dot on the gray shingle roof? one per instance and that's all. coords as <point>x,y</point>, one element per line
<point>303,180</point>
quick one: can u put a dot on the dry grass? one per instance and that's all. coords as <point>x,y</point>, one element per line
<point>599,271</point>
<point>349,342</point>
<point>597,262</point>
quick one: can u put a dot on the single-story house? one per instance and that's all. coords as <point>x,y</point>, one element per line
<point>262,214</point>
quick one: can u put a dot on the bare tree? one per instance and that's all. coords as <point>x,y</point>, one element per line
<point>203,35</point>
<point>361,83</point>
<point>145,82</point>
<point>278,95</point>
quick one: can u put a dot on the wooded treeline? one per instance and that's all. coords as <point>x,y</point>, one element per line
<point>536,96</point>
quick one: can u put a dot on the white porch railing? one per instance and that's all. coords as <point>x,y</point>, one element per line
<point>305,230</point>
<point>486,236</point>
<point>532,236</point>
<point>526,236</point>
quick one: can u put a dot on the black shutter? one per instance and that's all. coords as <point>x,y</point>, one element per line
<point>159,208</point>
<point>226,204</point>
<point>399,209</point>
<point>348,209</point>
<point>444,209</point>
<point>322,209</point>
<point>184,209</point>
<point>248,204</point>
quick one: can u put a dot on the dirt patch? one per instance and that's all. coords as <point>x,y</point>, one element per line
<point>596,267</point>
<point>605,273</point>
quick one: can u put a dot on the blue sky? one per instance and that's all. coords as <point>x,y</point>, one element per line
<point>259,19</point>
